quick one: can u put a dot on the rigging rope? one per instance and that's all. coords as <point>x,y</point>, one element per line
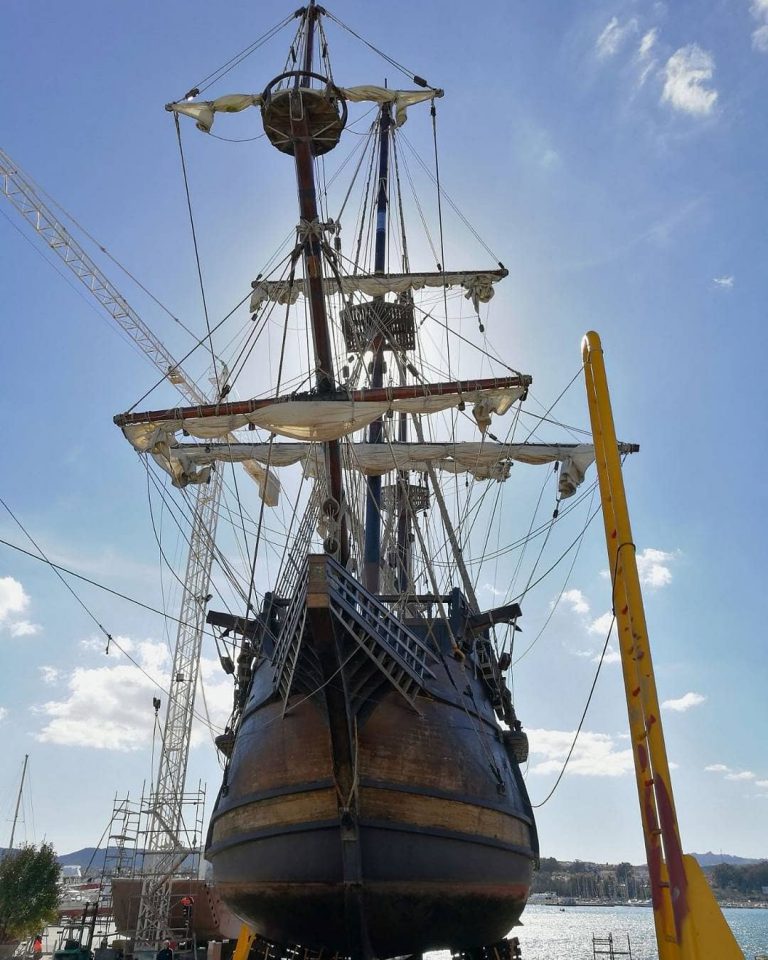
<point>197,253</point>
<point>536,806</point>
<point>597,672</point>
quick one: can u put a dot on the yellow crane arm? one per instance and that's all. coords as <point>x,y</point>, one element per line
<point>689,923</point>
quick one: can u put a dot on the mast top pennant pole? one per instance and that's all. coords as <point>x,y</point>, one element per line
<point>689,923</point>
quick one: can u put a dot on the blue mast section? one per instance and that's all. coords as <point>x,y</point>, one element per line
<point>372,558</point>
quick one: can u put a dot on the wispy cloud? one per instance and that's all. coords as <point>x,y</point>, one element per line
<point>647,43</point>
<point>612,655</point>
<point>684,703</point>
<point>3,713</point>
<point>602,624</point>
<point>645,57</point>
<point>494,591</point>
<point>49,675</point>
<point>740,776</point>
<point>23,628</point>
<point>653,567</point>
<point>595,754</point>
<point>577,601</point>
<point>723,282</point>
<point>759,10</point>
<point>686,75</point>
<point>613,37</point>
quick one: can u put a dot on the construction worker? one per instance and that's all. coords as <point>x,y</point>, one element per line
<point>165,953</point>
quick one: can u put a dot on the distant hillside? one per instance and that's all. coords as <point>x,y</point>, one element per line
<point>710,859</point>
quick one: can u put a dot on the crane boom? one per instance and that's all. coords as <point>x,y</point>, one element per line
<point>21,192</point>
<point>165,850</point>
<point>689,923</point>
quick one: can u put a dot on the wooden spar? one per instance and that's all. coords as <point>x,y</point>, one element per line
<point>409,391</point>
<point>372,558</point>
<point>688,920</point>
<point>312,251</point>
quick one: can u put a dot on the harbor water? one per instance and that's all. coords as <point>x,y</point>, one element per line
<point>555,933</point>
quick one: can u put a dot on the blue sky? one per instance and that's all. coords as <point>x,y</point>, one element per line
<point>614,156</point>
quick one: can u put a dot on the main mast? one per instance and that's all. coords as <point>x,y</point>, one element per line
<point>305,148</point>
<point>372,563</point>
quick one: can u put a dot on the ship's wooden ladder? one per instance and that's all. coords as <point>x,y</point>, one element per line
<point>385,645</point>
<point>383,648</point>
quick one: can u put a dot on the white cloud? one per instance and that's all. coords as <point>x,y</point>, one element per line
<point>760,35</point>
<point>577,600</point>
<point>13,599</point>
<point>23,628</point>
<point>49,675</point>
<point>612,655</point>
<point>494,591</point>
<point>3,713</point>
<point>761,783</point>
<point>602,624</point>
<point>744,775</point>
<point>653,567</point>
<point>717,768</point>
<point>686,74</point>
<point>595,754</point>
<point>760,38</point>
<point>684,703</point>
<point>645,56</point>
<point>614,36</point>
<point>110,707</point>
<point>647,43</point>
<point>724,282</point>
<point>13,602</point>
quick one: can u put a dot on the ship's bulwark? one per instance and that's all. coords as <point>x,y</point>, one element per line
<point>446,835</point>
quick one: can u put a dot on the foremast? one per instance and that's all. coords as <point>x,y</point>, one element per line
<point>305,147</point>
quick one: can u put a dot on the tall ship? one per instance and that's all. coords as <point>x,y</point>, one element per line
<point>372,802</point>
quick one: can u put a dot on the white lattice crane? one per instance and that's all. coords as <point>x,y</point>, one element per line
<point>165,849</point>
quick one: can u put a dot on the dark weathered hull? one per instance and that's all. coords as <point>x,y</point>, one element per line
<point>446,840</point>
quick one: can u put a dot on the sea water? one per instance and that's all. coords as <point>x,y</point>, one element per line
<point>555,933</point>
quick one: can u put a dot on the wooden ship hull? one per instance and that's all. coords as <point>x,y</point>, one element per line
<point>435,844</point>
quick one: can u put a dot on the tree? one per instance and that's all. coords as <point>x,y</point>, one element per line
<point>29,891</point>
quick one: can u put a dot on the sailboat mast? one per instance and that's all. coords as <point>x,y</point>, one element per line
<point>372,562</point>
<point>312,252</point>
<point>18,801</point>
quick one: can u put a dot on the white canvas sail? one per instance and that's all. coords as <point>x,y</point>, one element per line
<point>478,285</point>
<point>203,112</point>
<point>316,420</point>
<point>191,463</point>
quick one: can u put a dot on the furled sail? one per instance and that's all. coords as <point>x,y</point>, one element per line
<point>191,462</point>
<point>326,419</point>
<point>477,284</point>
<point>203,111</point>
